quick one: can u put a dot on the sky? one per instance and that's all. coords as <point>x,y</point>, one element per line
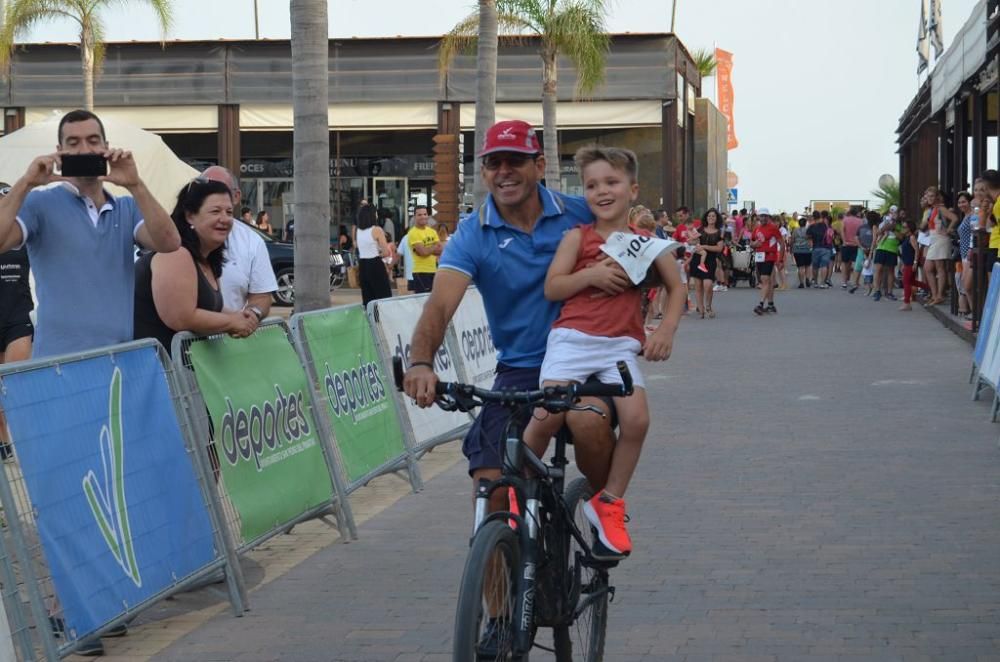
<point>819,85</point>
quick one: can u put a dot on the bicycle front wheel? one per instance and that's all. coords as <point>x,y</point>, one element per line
<point>586,632</point>
<point>484,618</point>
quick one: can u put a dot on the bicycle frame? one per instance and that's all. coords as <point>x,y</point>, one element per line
<point>548,478</point>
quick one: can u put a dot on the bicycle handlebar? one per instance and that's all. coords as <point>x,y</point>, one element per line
<point>467,396</point>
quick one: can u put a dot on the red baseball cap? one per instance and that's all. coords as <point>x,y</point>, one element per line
<point>511,136</point>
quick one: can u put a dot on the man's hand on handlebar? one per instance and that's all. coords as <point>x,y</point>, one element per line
<point>420,383</point>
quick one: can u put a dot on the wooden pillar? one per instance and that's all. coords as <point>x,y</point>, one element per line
<point>978,134</point>
<point>13,119</point>
<point>229,137</point>
<point>446,164</point>
<point>944,155</point>
<point>668,151</point>
<point>960,151</point>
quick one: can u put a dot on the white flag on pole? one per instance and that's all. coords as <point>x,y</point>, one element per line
<point>934,28</point>
<point>923,40</point>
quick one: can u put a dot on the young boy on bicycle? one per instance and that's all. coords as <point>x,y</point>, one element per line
<point>597,328</point>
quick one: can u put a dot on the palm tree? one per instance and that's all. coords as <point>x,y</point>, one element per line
<point>887,194</point>
<point>23,15</point>
<point>572,28</point>
<point>486,83</point>
<point>704,61</point>
<point>311,146</point>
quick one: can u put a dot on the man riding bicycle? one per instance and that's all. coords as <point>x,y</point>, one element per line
<point>505,248</point>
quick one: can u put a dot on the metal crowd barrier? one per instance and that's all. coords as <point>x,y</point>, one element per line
<point>104,507</point>
<point>393,321</point>
<point>250,405</point>
<point>353,395</point>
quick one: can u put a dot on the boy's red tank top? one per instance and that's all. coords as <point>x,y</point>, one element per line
<point>611,317</point>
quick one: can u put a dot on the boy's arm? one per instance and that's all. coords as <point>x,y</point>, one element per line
<point>659,345</point>
<point>561,283</point>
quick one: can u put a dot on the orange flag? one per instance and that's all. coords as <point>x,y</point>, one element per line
<point>724,80</point>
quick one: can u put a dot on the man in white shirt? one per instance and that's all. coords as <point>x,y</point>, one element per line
<point>247,277</point>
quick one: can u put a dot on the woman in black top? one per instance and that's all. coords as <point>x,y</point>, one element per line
<point>710,244</point>
<point>179,291</point>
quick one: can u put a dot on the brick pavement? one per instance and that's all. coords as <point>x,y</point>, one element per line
<point>816,486</point>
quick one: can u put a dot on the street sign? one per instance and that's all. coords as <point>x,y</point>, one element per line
<point>733,196</point>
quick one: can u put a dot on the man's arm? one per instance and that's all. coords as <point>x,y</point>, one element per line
<point>40,172</point>
<point>158,232</point>
<point>420,380</point>
<point>261,301</point>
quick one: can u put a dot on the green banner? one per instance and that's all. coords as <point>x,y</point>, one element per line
<point>356,390</point>
<point>266,439</point>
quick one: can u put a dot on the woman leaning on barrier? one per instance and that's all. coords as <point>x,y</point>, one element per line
<point>179,291</point>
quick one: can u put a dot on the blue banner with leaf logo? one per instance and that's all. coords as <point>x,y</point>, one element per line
<point>117,506</point>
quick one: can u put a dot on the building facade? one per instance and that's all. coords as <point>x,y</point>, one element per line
<point>229,102</point>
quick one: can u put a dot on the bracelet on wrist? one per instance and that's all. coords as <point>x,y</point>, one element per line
<point>427,364</point>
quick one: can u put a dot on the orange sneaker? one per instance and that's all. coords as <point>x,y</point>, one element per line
<point>607,515</point>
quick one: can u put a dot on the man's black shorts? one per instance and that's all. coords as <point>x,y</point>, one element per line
<point>765,268</point>
<point>19,326</point>
<point>422,282</point>
<point>803,259</point>
<point>885,258</point>
<point>483,441</point>
<point>848,254</point>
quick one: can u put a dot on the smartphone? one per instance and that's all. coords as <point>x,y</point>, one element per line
<point>84,165</point>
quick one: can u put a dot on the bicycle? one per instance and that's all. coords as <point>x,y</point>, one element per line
<point>531,567</point>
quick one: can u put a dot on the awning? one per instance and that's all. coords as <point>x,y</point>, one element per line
<point>577,115</point>
<point>345,116</point>
<point>161,119</point>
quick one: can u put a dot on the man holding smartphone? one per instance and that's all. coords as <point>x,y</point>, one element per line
<point>80,238</point>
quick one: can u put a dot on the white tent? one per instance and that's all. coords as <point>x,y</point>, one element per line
<point>161,170</point>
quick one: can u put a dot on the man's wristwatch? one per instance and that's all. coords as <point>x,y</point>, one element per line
<point>256,311</point>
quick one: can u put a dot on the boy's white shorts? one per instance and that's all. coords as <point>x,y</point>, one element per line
<point>573,356</point>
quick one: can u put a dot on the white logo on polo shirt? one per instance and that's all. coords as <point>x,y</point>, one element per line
<point>503,244</point>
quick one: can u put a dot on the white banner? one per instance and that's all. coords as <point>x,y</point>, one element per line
<point>6,641</point>
<point>471,342</point>
<point>989,371</point>
<point>395,320</point>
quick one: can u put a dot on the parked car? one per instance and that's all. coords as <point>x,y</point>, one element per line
<point>282,256</point>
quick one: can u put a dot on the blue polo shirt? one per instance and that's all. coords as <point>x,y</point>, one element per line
<point>84,273</point>
<point>509,265</point>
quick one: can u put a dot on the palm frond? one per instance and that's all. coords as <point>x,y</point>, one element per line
<point>704,61</point>
<point>23,15</point>
<point>459,39</point>
<point>530,15</point>
<point>162,9</point>
<point>578,31</point>
<point>887,196</point>
<point>462,38</point>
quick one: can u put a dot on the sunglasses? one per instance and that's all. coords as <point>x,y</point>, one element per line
<point>514,160</point>
<point>197,180</point>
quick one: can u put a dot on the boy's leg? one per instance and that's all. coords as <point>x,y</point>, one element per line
<point>606,510</point>
<point>633,423</point>
<point>543,426</point>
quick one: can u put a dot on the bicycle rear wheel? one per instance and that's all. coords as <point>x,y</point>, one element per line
<point>488,595</point>
<point>586,633</point>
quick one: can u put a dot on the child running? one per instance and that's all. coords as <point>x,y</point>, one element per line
<point>597,328</point>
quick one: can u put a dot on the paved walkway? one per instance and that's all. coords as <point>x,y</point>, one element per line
<point>817,485</point>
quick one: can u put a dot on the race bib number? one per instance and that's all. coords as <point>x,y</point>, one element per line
<point>635,252</point>
<point>760,257</point>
